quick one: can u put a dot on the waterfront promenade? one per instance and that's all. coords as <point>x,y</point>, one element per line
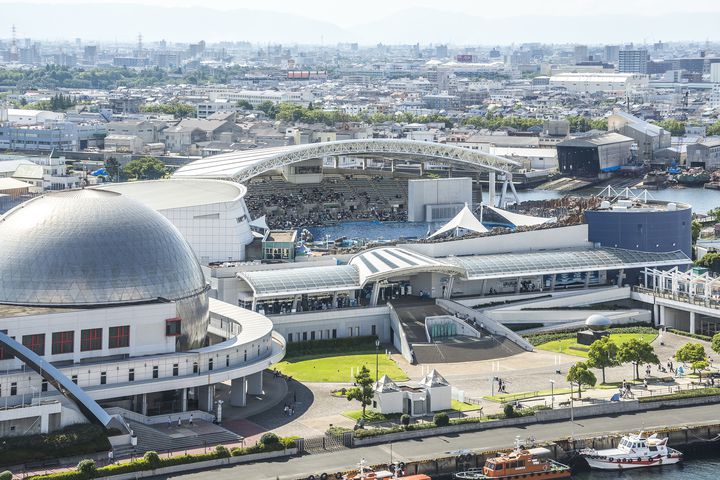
<point>440,446</point>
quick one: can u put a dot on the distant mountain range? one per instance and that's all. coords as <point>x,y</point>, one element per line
<point>123,22</point>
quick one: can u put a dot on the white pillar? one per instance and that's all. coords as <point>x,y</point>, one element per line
<point>184,404</point>
<point>45,423</point>
<point>374,294</point>
<point>692,322</point>
<point>255,384</point>
<point>656,314</point>
<point>663,320</point>
<point>491,188</point>
<point>144,404</point>
<point>587,279</point>
<point>238,390</point>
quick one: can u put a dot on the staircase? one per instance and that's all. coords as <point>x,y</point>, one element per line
<point>182,438</point>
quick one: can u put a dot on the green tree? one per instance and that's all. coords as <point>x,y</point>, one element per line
<point>711,261</point>
<point>715,345</point>
<point>636,352</point>
<point>691,353</point>
<point>699,367</point>
<point>581,374</point>
<point>713,129</point>
<point>145,168</point>
<point>244,104</point>
<point>363,392</point>
<point>87,468</point>
<point>602,355</point>
<point>696,228</point>
<point>113,168</point>
<point>269,108</point>
<point>675,127</point>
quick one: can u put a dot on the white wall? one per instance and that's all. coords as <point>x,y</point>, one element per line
<point>574,236</point>
<point>436,192</point>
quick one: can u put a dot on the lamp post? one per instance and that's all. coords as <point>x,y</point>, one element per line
<point>572,411</point>
<point>377,364</point>
<point>552,394</point>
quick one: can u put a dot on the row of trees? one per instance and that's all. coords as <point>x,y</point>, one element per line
<point>57,103</point>
<point>176,109</point>
<point>143,168</point>
<point>677,127</point>
<point>604,354</point>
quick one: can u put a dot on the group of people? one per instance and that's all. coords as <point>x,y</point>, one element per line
<point>297,206</point>
<point>501,385</point>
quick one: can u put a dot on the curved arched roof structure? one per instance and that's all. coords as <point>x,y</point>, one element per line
<point>243,165</point>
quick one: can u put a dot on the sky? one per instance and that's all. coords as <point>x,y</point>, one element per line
<point>348,13</point>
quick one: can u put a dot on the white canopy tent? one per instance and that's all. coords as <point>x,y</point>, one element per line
<point>464,220</point>
<point>518,219</point>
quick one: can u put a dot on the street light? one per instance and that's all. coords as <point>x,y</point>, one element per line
<point>377,364</point>
<point>572,411</point>
<point>552,394</point>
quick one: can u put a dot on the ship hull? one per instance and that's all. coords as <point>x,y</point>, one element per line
<point>629,463</point>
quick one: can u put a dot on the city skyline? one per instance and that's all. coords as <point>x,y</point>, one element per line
<point>321,22</point>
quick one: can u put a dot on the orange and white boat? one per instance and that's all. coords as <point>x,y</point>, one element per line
<point>518,464</point>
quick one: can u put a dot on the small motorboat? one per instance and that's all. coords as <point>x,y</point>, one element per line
<point>633,451</point>
<point>520,463</point>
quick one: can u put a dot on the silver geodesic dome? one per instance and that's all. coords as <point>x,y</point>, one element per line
<point>85,248</point>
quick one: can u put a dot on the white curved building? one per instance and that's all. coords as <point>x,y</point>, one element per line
<point>210,214</point>
<point>108,290</point>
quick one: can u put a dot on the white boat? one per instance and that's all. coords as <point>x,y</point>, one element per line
<point>633,451</point>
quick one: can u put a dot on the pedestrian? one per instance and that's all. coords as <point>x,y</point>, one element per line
<point>179,422</point>
<point>286,409</point>
<point>111,457</point>
<point>169,422</point>
<point>191,419</point>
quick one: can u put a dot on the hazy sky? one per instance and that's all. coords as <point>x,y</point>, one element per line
<point>353,12</point>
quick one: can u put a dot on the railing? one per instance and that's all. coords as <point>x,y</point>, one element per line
<point>680,297</point>
<point>489,324</point>
<point>404,346</point>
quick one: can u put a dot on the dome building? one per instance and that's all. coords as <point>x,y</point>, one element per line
<point>92,248</point>
<point>108,291</point>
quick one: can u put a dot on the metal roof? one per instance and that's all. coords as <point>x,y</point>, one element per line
<point>297,281</point>
<point>243,165</point>
<point>561,261</point>
<point>384,262</point>
<point>179,193</point>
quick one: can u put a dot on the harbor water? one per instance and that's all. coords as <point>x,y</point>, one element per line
<point>694,468</point>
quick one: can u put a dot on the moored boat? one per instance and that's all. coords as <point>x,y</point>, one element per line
<point>518,464</point>
<point>633,451</point>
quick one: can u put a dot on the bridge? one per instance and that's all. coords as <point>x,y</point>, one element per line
<point>243,165</point>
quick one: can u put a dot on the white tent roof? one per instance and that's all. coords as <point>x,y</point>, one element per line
<point>465,220</point>
<point>260,223</point>
<point>520,220</point>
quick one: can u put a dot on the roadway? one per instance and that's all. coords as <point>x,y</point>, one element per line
<point>440,446</point>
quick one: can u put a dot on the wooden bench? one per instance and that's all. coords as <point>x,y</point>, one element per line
<point>564,404</point>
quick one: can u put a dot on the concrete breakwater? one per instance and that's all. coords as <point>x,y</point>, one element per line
<point>688,439</point>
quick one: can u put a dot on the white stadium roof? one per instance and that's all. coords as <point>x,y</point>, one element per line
<point>179,193</point>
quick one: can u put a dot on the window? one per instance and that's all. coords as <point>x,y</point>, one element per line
<point>373,330</point>
<point>103,378</point>
<point>63,342</point>
<point>74,379</point>
<point>245,356</point>
<point>304,336</point>
<point>312,335</point>
<point>350,330</point>
<point>334,333</point>
<point>44,386</point>
<point>210,363</point>
<point>176,370</point>
<point>156,371</point>
<point>227,360</point>
<point>357,331</point>
<point>36,343</point>
<point>289,337</point>
<point>172,327</point>
<point>119,337</point>
<point>5,355</point>
<point>91,339</point>
<point>196,367</point>
<point>13,389</point>
<point>131,375</point>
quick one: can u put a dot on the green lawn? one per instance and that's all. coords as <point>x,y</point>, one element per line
<point>570,346</point>
<point>463,407</point>
<point>336,369</point>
